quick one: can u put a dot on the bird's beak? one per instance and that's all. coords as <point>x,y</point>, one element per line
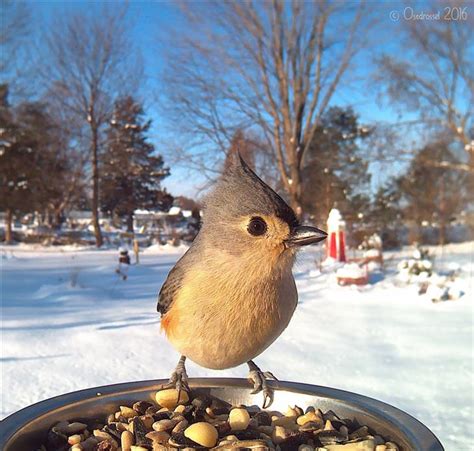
<point>303,235</point>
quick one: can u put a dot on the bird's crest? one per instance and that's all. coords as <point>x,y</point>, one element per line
<point>240,191</point>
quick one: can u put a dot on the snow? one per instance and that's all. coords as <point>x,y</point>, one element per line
<point>372,253</point>
<point>174,211</point>
<point>70,323</point>
<point>351,270</point>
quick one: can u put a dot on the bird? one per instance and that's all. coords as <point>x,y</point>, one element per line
<point>232,294</point>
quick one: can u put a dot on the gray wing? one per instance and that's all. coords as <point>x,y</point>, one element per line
<point>175,279</point>
<point>169,288</point>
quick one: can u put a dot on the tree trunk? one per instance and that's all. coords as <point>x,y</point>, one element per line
<point>130,223</point>
<point>295,204</point>
<point>48,218</point>
<point>8,230</point>
<point>95,188</point>
<point>414,232</point>
<point>57,219</point>
<point>295,192</point>
<point>442,214</point>
<point>442,232</point>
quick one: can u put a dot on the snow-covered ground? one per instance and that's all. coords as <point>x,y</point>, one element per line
<point>69,323</point>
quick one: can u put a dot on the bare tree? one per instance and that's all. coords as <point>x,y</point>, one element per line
<point>15,56</point>
<point>90,63</point>
<point>434,77</point>
<point>270,67</point>
<point>15,18</point>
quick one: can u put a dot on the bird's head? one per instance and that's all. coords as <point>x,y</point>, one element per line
<point>243,215</point>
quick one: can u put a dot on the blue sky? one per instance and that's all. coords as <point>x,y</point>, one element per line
<point>149,19</point>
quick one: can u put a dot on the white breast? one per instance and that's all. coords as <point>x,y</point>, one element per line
<point>224,318</point>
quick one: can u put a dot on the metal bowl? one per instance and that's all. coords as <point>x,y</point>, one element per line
<point>26,429</point>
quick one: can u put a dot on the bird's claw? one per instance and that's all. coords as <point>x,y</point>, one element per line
<point>255,378</point>
<point>267,398</point>
<point>269,375</point>
<point>259,381</point>
<point>178,380</point>
<point>180,383</point>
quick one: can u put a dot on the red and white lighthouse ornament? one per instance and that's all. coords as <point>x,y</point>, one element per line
<point>336,242</point>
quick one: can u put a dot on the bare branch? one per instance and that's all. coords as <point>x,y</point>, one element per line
<point>435,80</point>
<point>89,65</point>
<point>268,68</point>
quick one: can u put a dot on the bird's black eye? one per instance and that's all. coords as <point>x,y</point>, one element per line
<point>257,226</point>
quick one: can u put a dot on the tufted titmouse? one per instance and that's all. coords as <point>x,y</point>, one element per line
<point>233,293</point>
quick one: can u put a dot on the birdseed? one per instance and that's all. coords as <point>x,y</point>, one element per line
<point>204,422</point>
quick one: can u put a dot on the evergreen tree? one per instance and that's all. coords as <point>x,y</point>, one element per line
<point>18,163</point>
<point>60,179</point>
<point>386,213</point>
<point>35,165</point>
<point>132,171</point>
<point>335,172</point>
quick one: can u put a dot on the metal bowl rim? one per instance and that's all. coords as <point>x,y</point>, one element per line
<point>406,423</point>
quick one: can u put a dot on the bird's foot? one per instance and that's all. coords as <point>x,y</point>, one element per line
<point>259,380</point>
<point>179,378</point>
